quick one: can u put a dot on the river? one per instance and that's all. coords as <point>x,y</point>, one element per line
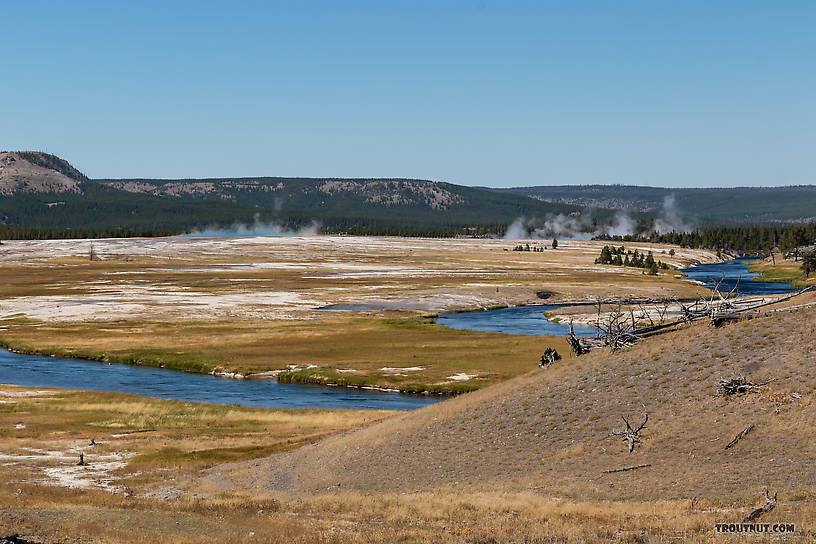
<point>735,273</point>
<point>528,320</point>
<point>37,371</point>
<point>531,320</point>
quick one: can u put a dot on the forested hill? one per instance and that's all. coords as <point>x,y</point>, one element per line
<point>38,190</point>
<point>44,191</point>
<point>727,205</point>
<point>353,203</point>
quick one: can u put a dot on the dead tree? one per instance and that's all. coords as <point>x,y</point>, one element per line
<point>630,435</point>
<point>616,330</point>
<point>550,356</point>
<point>81,462</point>
<point>770,504</point>
<point>737,386</point>
<point>92,256</point>
<point>575,344</point>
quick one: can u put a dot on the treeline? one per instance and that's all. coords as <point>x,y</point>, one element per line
<point>756,239</point>
<point>481,231</point>
<point>620,256</point>
<point>33,233</point>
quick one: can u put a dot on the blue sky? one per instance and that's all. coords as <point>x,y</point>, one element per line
<point>477,93</point>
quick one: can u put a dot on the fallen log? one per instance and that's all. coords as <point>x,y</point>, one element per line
<point>769,505</point>
<point>742,433</point>
<point>624,469</point>
<point>620,331</point>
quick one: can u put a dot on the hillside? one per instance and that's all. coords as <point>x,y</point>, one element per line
<point>738,204</point>
<point>41,190</point>
<point>355,203</point>
<point>27,172</point>
<point>548,430</point>
<point>44,191</point>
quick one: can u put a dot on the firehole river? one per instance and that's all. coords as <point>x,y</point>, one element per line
<point>37,371</point>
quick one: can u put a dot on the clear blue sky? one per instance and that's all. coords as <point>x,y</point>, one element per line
<point>667,93</point>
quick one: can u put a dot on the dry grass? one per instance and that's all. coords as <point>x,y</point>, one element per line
<point>211,279</point>
<point>384,518</point>
<point>249,305</point>
<point>517,462</point>
<point>365,345</point>
<point>548,429</point>
<point>151,436</point>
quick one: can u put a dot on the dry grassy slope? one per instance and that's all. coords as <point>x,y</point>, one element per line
<point>548,429</point>
<point>19,175</point>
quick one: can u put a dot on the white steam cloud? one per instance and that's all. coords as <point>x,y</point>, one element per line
<point>670,218</point>
<point>257,228</point>
<point>562,226</point>
<point>581,226</point>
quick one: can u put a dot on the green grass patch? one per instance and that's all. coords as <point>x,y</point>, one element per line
<point>157,358</point>
<point>786,274</point>
<point>326,376</point>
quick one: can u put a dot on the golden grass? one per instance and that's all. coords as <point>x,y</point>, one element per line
<point>324,267</point>
<point>363,344</point>
<point>549,429</point>
<point>162,275</point>
<point>157,434</point>
<point>384,518</point>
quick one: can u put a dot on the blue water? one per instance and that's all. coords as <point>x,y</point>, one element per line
<point>732,271</point>
<point>529,320</point>
<point>36,371</point>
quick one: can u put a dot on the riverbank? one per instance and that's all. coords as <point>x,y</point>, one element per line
<point>784,270</point>
<point>250,307</point>
<point>131,443</point>
<point>406,353</point>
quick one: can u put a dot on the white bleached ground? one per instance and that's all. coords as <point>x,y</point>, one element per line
<point>290,277</point>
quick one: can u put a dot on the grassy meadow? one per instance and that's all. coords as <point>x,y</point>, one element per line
<point>352,350</point>
<point>784,270</point>
<point>153,438</point>
<point>520,461</point>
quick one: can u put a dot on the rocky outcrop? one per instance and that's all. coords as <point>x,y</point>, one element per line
<point>30,172</point>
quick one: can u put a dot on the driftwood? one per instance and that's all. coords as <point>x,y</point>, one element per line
<point>616,331</point>
<point>576,347</point>
<point>733,310</point>
<point>619,329</point>
<point>624,469</point>
<point>629,434</point>
<point>550,356</point>
<point>742,433</point>
<point>770,504</point>
<point>737,386</point>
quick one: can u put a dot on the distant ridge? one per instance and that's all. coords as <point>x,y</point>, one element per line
<point>793,203</point>
<point>42,190</point>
